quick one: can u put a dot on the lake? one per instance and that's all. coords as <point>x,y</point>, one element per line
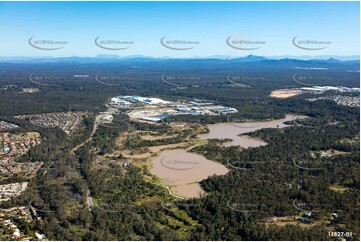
<point>182,171</point>
<point>234,131</point>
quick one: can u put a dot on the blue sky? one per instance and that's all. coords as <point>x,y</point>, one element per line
<point>209,23</point>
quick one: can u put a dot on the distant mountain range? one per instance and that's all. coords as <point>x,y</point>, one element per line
<point>246,59</point>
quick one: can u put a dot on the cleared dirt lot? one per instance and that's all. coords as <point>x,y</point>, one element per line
<point>285,93</point>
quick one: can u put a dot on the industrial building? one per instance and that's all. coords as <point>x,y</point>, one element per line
<point>162,109</point>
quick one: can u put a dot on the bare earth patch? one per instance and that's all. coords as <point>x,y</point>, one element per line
<point>285,93</point>
<point>338,188</point>
<point>156,149</point>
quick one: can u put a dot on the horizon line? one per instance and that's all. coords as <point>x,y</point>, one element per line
<point>220,57</point>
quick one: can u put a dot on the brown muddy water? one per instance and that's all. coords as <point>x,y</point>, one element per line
<point>182,171</point>
<point>234,131</point>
